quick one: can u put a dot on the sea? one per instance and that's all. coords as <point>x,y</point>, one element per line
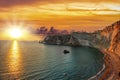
<point>31,60</point>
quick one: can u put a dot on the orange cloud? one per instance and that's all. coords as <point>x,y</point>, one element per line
<point>63,14</point>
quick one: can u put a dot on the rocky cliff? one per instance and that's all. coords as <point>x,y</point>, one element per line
<point>108,38</point>
<point>79,39</point>
<point>112,34</point>
<point>115,38</point>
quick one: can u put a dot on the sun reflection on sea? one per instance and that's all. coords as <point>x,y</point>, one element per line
<point>14,60</point>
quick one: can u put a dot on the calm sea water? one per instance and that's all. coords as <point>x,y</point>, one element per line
<point>33,61</point>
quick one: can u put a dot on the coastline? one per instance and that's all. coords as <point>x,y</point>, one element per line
<point>107,71</point>
<point>110,69</point>
<point>106,40</point>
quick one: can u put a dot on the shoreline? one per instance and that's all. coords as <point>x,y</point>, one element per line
<point>99,74</point>
<point>112,66</point>
<point>111,69</point>
<point>108,71</point>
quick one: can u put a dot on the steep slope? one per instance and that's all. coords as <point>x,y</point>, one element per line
<point>115,39</point>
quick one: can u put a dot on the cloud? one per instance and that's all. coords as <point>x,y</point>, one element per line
<point>12,3</point>
<point>61,12</point>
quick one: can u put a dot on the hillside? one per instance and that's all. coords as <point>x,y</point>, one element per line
<point>115,39</point>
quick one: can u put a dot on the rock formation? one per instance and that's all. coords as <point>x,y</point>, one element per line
<point>79,39</point>
<point>108,38</point>
<point>115,39</point>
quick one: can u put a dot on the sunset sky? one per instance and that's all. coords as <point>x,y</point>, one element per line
<point>63,14</point>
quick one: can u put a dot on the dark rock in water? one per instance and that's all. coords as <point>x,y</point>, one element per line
<point>66,51</point>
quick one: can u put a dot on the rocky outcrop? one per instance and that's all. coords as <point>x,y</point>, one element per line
<point>61,40</point>
<point>112,33</point>
<point>108,38</point>
<point>115,39</point>
<point>78,39</point>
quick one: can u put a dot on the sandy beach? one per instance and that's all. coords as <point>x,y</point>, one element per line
<point>114,61</point>
<point>111,69</point>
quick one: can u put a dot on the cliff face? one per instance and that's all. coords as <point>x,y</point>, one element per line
<point>112,33</point>
<point>108,38</point>
<point>61,40</point>
<point>115,39</point>
<point>78,39</point>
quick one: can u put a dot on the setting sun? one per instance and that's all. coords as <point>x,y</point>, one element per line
<point>15,33</point>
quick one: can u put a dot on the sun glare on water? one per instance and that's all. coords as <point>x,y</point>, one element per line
<point>15,33</point>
